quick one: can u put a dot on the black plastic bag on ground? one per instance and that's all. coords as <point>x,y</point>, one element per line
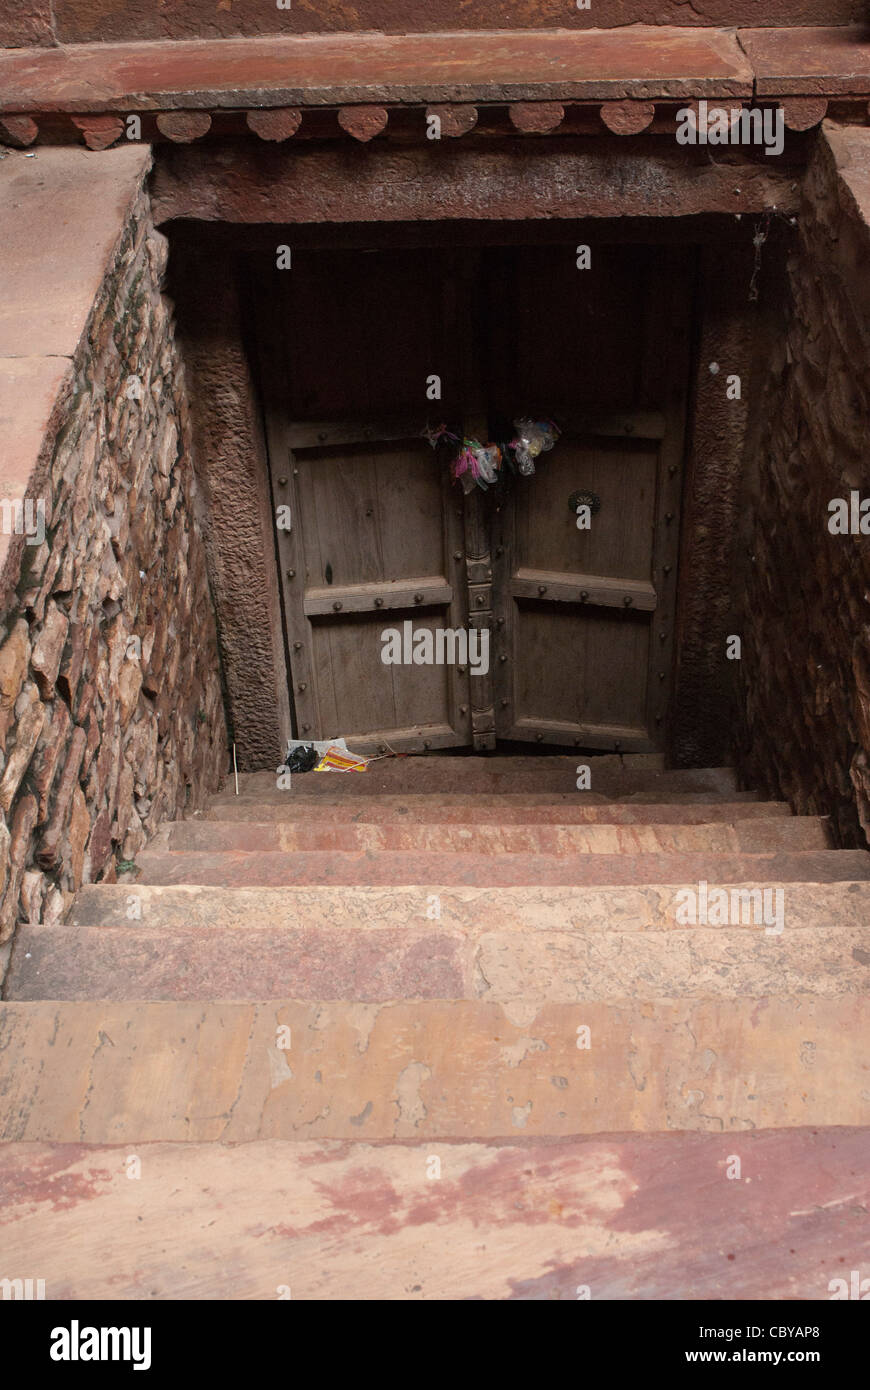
<point>301,759</point>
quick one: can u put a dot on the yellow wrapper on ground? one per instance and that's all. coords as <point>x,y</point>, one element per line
<point>340,760</point>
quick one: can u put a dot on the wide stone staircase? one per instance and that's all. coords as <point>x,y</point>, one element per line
<point>441,1030</point>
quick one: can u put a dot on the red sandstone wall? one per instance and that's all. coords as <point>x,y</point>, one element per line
<point>93,21</point>
<point>806,621</point>
<point>110,702</point>
<point>25,23</point>
<point>209,286</point>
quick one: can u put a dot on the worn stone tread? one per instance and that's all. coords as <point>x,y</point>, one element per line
<point>569,808</point>
<point>470,775</point>
<point>428,961</point>
<point>467,910</point>
<point>629,1217</point>
<point>752,836</point>
<point>233,868</point>
<point>235,1072</point>
<point>442,809</point>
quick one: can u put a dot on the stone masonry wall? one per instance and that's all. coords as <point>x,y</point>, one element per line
<point>94,21</point>
<point>805,668</point>
<point>110,704</point>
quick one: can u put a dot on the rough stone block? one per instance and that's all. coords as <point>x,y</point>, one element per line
<point>14,658</point>
<point>23,824</point>
<point>27,732</point>
<point>79,829</point>
<point>48,650</point>
<point>48,854</point>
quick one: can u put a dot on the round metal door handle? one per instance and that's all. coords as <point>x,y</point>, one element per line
<point>542,588</point>
<point>337,605</point>
<point>418,598</point>
<point>379,603</point>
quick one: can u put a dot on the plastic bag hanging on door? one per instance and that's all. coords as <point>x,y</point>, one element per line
<point>488,463</point>
<point>533,438</point>
<point>477,464</point>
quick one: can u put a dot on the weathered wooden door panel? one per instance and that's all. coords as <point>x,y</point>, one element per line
<point>584,617</point>
<point>571,675</point>
<point>367,514</point>
<point>576,608</point>
<point>370,703</point>
<point>375,528</point>
<point>618,544</point>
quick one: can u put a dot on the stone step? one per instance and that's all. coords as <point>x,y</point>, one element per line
<point>508,808</point>
<point>752,836</point>
<point>133,1073</point>
<point>432,961</point>
<point>520,762</point>
<point>466,910</point>
<point>647,1216</point>
<point>274,868</point>
<point>473,775</point>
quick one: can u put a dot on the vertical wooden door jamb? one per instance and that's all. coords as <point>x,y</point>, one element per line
<point>670,308</point>
<point>301,676</point>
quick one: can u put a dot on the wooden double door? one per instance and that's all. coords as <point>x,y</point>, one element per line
<point>373,534</point>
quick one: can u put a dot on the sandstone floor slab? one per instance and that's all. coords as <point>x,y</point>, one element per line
<point>625,1216</point>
